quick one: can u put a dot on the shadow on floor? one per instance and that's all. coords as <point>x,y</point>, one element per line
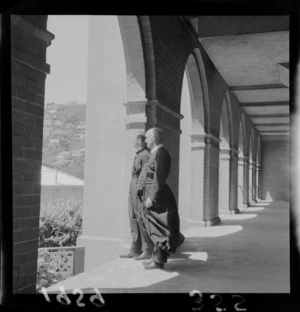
<point>211,260</point>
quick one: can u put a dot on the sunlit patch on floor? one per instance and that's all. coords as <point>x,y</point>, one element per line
<point>127,273</point>
<point>266,203</point>
<point>240,216</point>
<point>192,255</point>
<point>202,256</point>
<point>214,231</point>
<point>254,209</point>
<point>130,278</point>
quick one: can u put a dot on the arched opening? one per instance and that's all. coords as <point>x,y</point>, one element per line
<point>63,148</point>
<point>224,160</point>
<point>241,166</point>
<point>191,173</point>
<point>185,171</point>
<point>62,174</point>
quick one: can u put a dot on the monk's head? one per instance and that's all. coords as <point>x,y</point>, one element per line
<point>153,137</point>
<point>140,141</point>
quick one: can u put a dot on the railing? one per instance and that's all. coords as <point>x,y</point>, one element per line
<point>67,261</point>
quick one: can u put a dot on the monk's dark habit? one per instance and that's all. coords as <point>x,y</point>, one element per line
<point>161,220</point>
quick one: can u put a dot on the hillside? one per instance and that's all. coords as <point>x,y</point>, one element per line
<point>64,138</point>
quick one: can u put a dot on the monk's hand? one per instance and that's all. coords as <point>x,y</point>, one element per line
<point>148,203</point>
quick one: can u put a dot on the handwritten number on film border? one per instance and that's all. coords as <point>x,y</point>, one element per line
<point>44,291</point>
<point>237,304</point>
<point>78,291</point>
<point>218,303</point>
<point>198,299</point>
<point>99,297</point>
<point>63,298</point>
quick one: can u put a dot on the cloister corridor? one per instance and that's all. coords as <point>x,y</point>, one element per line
<point>218,87</point>
<point>246,253</point>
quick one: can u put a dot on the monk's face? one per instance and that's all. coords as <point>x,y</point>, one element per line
<point>137,143</point>
<point>149,139</point>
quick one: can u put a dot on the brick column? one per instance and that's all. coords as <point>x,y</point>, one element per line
<point>29,40</point>
<point>246,182</point>
<point>224,180</point>
<point>233,182</point>
<point>211,181</point>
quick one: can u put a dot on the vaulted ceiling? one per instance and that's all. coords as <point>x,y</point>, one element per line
<point>252,55</point>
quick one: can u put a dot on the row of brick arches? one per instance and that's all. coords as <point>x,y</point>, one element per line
<point>142,72</point>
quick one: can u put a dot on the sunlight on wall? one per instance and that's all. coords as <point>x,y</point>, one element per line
<point>269,197</point>
<point>104,207</point>
<point>184,198</point>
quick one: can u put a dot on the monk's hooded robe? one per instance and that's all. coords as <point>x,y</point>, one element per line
<point>161,220</point>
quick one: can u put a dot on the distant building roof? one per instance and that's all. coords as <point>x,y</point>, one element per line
<point>54,177</point>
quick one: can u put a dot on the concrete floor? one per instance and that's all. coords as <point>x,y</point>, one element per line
<point>246,253</point>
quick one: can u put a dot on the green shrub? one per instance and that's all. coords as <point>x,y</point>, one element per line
<point>60,223</point>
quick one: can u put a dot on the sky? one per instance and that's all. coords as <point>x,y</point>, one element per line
<point>67,56</point>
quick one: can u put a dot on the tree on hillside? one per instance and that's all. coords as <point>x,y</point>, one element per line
<point>73,119</point>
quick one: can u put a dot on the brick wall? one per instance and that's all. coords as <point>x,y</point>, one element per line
<point>29,41</point>
<point>275,166</point>
<point>173,43</point>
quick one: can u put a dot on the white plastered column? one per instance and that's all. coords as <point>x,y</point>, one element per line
<point>105,191</point>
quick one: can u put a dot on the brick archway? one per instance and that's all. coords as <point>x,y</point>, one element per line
<point>192,143</point>
<point>204,86</point>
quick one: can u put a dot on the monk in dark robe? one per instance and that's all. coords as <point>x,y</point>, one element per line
<point>139,250</point>
<point>158,212</point>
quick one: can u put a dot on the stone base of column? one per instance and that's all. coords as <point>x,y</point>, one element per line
<point>234,211</point>
<point>99,250</point>
<point>224,212</point>
<point>212,222</point>
<point>243,207</point>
